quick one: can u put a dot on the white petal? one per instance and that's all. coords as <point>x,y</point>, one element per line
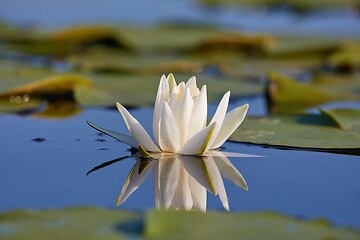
<point>219,117</point>
<point>168,179</point>
<point>232,121</point>
<point>119,136</point>
<point>133,181</point>
<point>137,131</point>
<point>169,135</point>
<point>171,82</point>
<point>158,108</point>
<point>191,84</point>
<point>182,198</point>
<point>199,142</point>
<point>202,170</point>
<point>173,98</point>
<point>182,114</point>
<point>181,90</point>
<point>228,171</point>
<point>199,113</point>
<point>198,194</point>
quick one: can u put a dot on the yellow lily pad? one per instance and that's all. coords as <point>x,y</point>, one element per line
<point>285,95</point>
<point>54,85</point>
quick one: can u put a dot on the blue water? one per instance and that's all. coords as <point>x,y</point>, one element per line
<point>52,173</point>
<point>57,14</point>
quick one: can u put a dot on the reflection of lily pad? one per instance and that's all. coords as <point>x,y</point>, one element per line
<point>16,104</point>
<point>95,223</point>
<point>305,131</point>
<point>196,225</point>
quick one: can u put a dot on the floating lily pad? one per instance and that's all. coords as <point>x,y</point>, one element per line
<point>55,85</point>
<point>347,119</point>
<point>120,63</point>
<point>346,59</point>
<point>71,223</point>
<point>95,223</point>
<point>264,225</point>
<point>140,90</point>
<point>285,95</point>
<point>83,37</point>
<point>318,132</point>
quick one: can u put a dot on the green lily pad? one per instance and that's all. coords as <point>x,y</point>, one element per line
<point>285,95</point>
<point>55,85</point>
<point>346,59</point>
<point>263,225</point>
<point>96,223</point>
<point>347,119</point>
<point>310,131</point>
<point>103,61</point>
<point>70,223</point>
<point>138,90</point>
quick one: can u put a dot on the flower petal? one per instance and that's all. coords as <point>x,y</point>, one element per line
<point>191,84</point>
<point>198,194</point>
<point>171,82</point>
<point>182,114</point>
<point>219,117</point>
<point>232,121</point>
<point>168,173</point>
<point>137,131</point>
<point>228,171</point>
<point>118,136</point>
<point>169,135</point>
<point>199,113</point>
<point>133,181</point>
<point>197,144</point>
<point>158,108</point>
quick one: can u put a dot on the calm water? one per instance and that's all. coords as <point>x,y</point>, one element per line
<point>55,14</point>
<point>52,173</point>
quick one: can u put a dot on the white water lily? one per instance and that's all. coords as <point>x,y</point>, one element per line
<point>179,121</point>
<point>181,182</point>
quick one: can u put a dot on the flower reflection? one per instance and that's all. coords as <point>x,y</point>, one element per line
<point>182,182</point>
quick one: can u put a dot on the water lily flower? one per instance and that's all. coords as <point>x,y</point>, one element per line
<point>182,181</point>
<point>179,121</point>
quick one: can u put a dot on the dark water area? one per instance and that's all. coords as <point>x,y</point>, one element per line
<point>44,164</point>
